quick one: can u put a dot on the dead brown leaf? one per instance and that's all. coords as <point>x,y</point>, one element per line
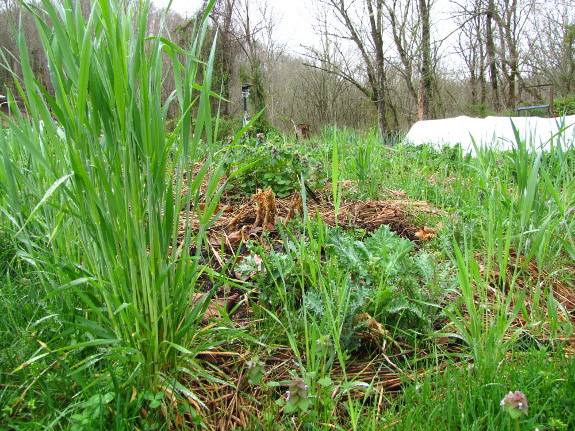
<point>425,233</point>
<point>216,304</point>
<point>372,325</point>
<point>234,238</point>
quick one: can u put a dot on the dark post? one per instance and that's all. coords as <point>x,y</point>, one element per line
<point>245,94</point>
<point>551,100</point>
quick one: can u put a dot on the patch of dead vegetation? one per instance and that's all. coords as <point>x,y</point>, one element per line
<point>263,212</point>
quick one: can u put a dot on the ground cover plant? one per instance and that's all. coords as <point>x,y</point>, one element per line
<point>147,283</point>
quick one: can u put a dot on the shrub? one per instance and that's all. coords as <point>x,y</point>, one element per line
<point>273,163</point>
<point>564,105</point>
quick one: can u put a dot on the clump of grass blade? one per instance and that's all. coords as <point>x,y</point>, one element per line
<point>97,209</point>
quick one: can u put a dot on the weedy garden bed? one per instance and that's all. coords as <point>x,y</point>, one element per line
<point>414,290</point>
<point>259,220</point>
<point>377,367</point>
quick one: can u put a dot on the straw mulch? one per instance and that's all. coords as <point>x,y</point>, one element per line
<point>520,276</point>
<point>236,404</point>
<point>264,212</point>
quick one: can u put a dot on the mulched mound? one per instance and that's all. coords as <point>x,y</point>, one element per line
<point>264,212</point>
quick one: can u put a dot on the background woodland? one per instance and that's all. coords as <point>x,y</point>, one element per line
<point>373,63</point>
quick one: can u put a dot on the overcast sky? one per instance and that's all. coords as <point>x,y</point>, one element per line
<point>295,23</point>
<point>295,27</point>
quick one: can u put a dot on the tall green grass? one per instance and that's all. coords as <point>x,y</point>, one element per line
<point>518,222</point>
<point>94,187</point>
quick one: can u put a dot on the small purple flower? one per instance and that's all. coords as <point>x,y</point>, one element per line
<point>297,397</point>
<point>515,404</point>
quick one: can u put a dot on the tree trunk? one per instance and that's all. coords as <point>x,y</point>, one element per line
<point>508,27</point>
<point>381,114</point>
<point>426,85</point>
<point>482,80</point>
<point>375,21</point>
<point>226,52</point>
<point>491,55</point>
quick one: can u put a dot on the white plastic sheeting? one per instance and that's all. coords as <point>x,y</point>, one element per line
<point>493,132</point>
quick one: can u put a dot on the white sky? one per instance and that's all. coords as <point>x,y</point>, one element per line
<point>295,18</point>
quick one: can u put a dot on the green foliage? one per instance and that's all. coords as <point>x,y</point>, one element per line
<point>297,397</point>
<point>42,388</point>
<point>256,370</point>
<point>7,254</point>
<point>480,110</point>
<point>363,160</point>
<point>379,257</point>
<point>228,128</point>
<point>564,105</point>
<point>282,271</point>
<point>378,275</point>
<point>273,163</point>
<point>389,274</point>
<point>93,412</point>
<point>463,397</point>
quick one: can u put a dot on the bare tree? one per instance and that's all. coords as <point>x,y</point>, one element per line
<point>426,83</point>
<point>471,48</point>
<point>551,55</point>
<point>512,17</point>
<point>482,16</point>
<point>401,23</point>
<point>323,92</point>
<point>223,18</point>
<point>368,74</point>
<point>502,27</point>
